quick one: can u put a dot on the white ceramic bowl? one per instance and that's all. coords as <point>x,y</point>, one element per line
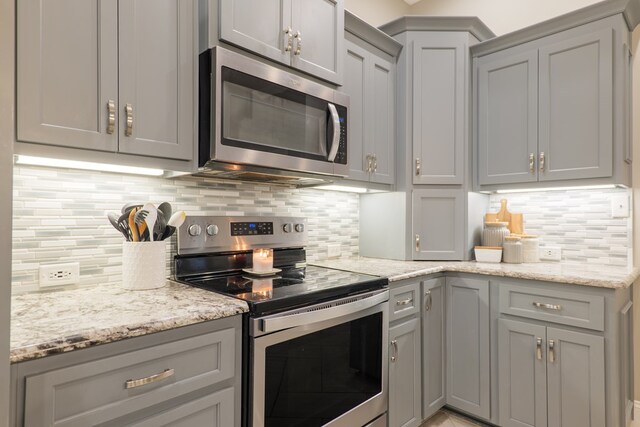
<point>488,254</point>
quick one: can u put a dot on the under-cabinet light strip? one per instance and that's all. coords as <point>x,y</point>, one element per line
<point>74,164</point>
<point>531,190</point>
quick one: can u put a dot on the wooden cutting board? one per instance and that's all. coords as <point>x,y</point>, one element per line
<point>515,220</point>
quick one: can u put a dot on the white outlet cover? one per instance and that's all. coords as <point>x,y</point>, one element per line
<point>59,274</point>
<point>333,251</point>
<point>620,206</point>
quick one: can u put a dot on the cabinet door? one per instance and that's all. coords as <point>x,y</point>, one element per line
<point>438,224</point>
<point>67,72</point>
<point>319,48</point>
<point>522,374</point>
<point>439,109</point>
<point>507,117</point>
<point>258,26</point>
<point>382,119</point>
<point>404,375</point>
<point>433,345</point>
<point>157,78</point>
<point>468,363</point>
<point>575,379</point>
<point>356,82</point>
<point>576,110</point>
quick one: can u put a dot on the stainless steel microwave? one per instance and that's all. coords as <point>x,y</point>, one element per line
<point>259,122</point>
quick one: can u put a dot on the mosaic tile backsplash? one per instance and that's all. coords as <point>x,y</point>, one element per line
<point>60,216</point>
<point>579,221</point>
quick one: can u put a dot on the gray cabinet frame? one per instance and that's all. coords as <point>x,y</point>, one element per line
<point>433,346</point>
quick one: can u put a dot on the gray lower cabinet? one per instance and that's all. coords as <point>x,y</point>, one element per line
<point>303,34</point>
<point>192,381</point>
<point>468,350</point>
<point>433,346</point>
<point>438,224</point>
<point>98,75</point>
<point>405,403</point>
<point>549,376</point>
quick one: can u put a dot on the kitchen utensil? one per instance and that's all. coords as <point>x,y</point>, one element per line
<point>114,220</point>
<point>488,253</point>
<point>161,225</point>
<point>166,209</point>
<point>146,219</point>
<point>127,208</point>
<point>494,233</point>
<point>132,225</point>
<point>168,232</point>
<point>516,225</point>
<point>177,219</point>
<point>123,222</point>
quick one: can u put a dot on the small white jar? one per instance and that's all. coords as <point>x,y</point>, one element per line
<point>512,250</point>
<point>530,248</point>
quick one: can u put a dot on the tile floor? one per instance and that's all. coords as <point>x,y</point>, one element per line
<point>445,418</point>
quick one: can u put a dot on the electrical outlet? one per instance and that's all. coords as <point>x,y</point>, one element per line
<point>333,251</point>
<point>59,274</point>
<point>620,206</point>
<point>551,253</point>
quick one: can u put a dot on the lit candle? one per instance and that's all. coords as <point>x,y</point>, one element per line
<point>262,260</point>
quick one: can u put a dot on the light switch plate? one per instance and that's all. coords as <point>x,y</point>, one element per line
<point>620,205</point>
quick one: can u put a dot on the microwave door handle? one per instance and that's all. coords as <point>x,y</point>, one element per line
<point>335,142</point>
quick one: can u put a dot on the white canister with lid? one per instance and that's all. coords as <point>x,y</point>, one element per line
<point>494,233</point>
<point>512,250</point>
<point>530,248</point>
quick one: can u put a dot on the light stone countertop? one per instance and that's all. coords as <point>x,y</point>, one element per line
<point>586,275</point>
<point>48,323</point>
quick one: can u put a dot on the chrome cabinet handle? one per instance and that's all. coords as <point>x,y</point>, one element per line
<point>289,39</point>
<point>369,163</point>
<point>375,163</point>
<point>532,163</point>
<point>394,344</point>
<point>557,307</point>
<point>298,38</point>
<point>542,161</point>
<point>128,111</point>
<point>552,351</point>
<point>148,380</point>
<point>417,166</point>
<point>111,116</point>
<point>404,301</point>
<point>539,348</point>
<point>417,243</point>
<point>428,301</point>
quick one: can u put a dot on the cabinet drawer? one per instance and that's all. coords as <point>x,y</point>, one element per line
<point>567,308</point>
<point>96,392</point>
<point>404,301</point>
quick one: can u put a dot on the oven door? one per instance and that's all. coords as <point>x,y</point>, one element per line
<point>271,118</point>
<point>327,369</point>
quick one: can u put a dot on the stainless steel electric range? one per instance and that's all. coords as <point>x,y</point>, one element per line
<point>315,339</point>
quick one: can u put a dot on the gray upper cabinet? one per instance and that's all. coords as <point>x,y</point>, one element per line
<point>67,73</point>
<point>99,75</point>
<point>438,224</point>
<point>405,403</point>
<point>156,79</point>
<point>507,86</point>
<point>554,110</point>
<point>369,80</point>
<point>576,108</point>
<point>468,353</point>
<point>439,112</point>
<point>304,34</point>
<point>433,346</point>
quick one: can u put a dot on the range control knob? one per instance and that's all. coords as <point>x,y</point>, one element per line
<point>299,228</point>
<point>195,230</point>
<point>287,228</point>
<point>212,229</point>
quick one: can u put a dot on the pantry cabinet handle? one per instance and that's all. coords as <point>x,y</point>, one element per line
<point>417,243</point>
<point>148,380</point>
<point>539,348</point>
<point>394,344</point>
<point>552,351</point>
<point>532,163</point>
<point>556,307</point>
<point>288,40</point>
<point>542,161</point>
<point>298,38</point>
<point>111,116</point>
<point>128,111</point>
<point>404,301</point>
<point>428,301</point>
<point>417,166</point>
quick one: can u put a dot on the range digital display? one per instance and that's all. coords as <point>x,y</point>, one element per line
<point>251,228</point>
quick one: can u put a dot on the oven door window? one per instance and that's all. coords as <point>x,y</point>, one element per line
<point>263,116</point>
<point>313,379</point>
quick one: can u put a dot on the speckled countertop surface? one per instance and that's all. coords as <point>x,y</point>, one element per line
<point>596,276</point>
<point>48,323</point>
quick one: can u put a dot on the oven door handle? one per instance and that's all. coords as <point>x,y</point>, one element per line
<point>335,142</point>
<point>278,322</point>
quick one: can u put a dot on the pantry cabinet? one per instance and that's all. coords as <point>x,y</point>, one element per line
<point>100,76</point>
<point>303,34</point>
<point>554,109</point>
<point>369,80</point>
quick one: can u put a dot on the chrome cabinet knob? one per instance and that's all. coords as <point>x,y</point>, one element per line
<point>299,228</point>
<point>287,228</point>
<point>212,229</point>
<point>195,230</point>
